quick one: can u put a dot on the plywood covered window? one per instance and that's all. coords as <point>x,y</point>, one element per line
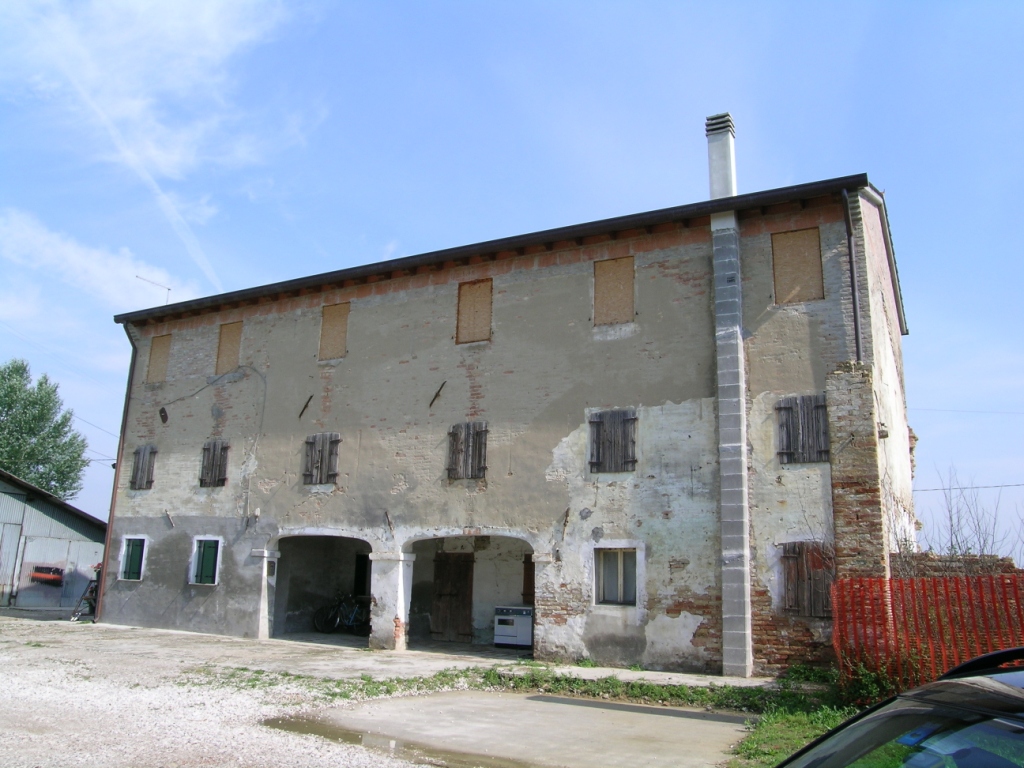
<point>474,322</point>
<point>808,570</point>
<point>467,450</point>
<point>214,471</point>
<point>334,331</point>
<point>159,355</point>
<point>803,429</point>
<point>613,291</point>
<point>321,464</point>
<point>796,262</point>
<point>613,441</point>
<point>142,468</point>
<point>615,570</point>
<point>228,346</point>
<point>131,562</point>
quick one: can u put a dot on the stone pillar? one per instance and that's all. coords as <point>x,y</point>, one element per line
<point>268,561</point>
<point>861,530</point>
<point>391,590</point>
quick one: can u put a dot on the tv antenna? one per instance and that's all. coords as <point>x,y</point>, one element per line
<point>151,282</point>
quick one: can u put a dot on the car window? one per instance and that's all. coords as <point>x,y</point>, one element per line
<point>907,734</point>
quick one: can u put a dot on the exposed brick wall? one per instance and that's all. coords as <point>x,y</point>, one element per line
<point>781,640</point>
<point>860,528</point>
<point>708,636</point>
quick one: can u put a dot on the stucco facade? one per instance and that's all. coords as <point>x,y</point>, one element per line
<point>539,522</point>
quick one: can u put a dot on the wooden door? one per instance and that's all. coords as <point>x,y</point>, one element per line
<point>451,614</point>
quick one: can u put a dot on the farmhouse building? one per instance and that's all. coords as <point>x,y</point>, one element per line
<point>666,433</point>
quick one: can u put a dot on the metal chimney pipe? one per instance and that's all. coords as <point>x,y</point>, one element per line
<point>721,135</point>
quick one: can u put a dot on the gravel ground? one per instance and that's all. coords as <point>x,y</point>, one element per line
<point>58,709</point>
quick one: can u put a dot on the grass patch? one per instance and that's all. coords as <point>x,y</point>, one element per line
<point>780,733</point>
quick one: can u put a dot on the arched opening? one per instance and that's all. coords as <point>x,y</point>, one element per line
<point>462,586</point>
<point>317,571</point>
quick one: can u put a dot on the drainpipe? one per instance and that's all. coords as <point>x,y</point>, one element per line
<point>117,476</point>
<point>851,251</point>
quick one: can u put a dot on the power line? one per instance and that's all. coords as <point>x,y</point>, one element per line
<point>960,410</point>
<point>970,487</point>
<point>101,429</point>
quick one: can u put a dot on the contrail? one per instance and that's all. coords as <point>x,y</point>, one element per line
<point>170,211</point>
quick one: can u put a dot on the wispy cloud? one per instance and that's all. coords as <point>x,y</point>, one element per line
<point>108,277</point>
<point>153,76</point>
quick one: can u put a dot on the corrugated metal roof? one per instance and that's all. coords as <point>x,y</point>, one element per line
<point>38,493</point>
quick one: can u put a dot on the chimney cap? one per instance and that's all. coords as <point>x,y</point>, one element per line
<point>719,124</point>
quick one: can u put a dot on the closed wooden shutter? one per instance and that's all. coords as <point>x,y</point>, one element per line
<point>206,561</point>
<point>467,450</point>
<point>613,441</point>
<point>803,429</point>
<point>478,449</point>
<point>214,471</point>
<point>807,575</point>
<point>456,451</point>
<point>133,551</point>
<point>321,464</point>
<point>142,467</point>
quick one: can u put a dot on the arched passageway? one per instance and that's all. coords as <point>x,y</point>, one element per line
<point>313,571</point>
<point>459,581</point>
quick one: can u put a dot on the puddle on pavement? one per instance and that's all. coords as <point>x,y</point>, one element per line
<point>406,750</point>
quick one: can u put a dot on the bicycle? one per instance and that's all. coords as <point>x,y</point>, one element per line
<point>346,614</point>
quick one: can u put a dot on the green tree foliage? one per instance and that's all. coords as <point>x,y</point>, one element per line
<point>37,442</point>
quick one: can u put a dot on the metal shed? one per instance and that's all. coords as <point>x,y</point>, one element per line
<point>47,547</point>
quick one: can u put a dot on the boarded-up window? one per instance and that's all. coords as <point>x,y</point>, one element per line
<point>474,312</point>
<point>334,331</point>
<point>467,450</point>
<point>613,291</point>
<point>159,354</point>
<point>613,441</point>
<point>142,468</point>
<point>616,576</point>
<point>321,464</point>
<point>227,347</point>
<point>131,567</point>
<point>796,259</point>
<point>803,429</point>
<point>207,551</point>
<point>214,471</point>
<point>808,570</point>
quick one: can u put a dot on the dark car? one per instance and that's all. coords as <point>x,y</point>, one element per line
<point>971,717</point>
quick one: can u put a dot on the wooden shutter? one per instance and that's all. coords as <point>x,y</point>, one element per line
<point>613,441</point>
<point>150,462</point>
<point>803,429</point>
<point>477,449</point>
<point>456,451</point>
<point>142,467</point>
<point>311,468</point>
<point>807,575</point>
<point>330,459</point>
<point>206,561</point>
<point>214,471</point>
<point>133,550</point>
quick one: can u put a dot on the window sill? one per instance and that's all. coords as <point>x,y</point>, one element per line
<point>615,331</point>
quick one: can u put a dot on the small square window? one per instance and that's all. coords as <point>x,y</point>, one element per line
<point>613,441</point>
<point>467,450</point>
<point>616,576</point>
<point>142,468</point>
<point>214,471</point>
<point>133,558</point>
<point>206,561</point>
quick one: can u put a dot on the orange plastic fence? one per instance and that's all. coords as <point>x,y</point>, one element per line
<point>917,629</point>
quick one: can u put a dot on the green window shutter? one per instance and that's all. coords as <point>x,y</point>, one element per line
<point>133,551</point>
<point>206,561</point>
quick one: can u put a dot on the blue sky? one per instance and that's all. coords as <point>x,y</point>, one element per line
<point>209,146</point>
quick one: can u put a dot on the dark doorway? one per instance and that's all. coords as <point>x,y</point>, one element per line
<point>451,613</point>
